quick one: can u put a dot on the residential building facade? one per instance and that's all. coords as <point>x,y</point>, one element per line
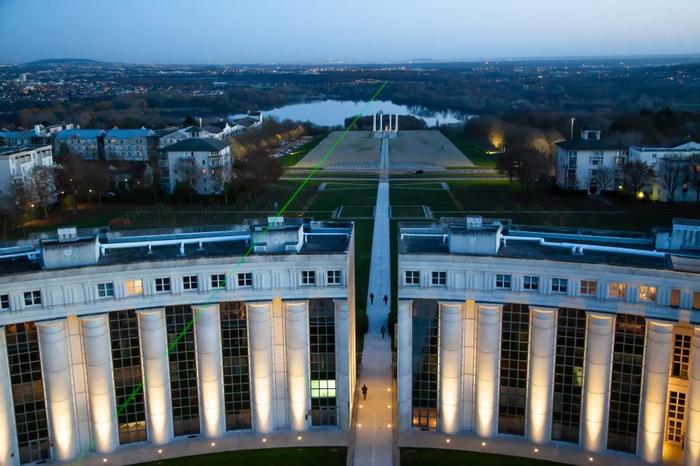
<point>109,340</point>
<point>130,145</point>
<point>586,339</point>
<point>590,164</point>
<point>681,159</point>
<point>87,144</point>
<point>204,163</point>
<point>16,166</point>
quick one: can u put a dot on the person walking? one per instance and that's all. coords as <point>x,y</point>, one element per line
<point>386,300</point>
<point>383,330</point>
<point>364,392</point>
<point>371,298</point>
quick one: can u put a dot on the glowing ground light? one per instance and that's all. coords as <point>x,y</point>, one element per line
<point>447,440</point>
<point>160,451</point>
<point>213,444</point>
<point>299,437</point>
<point>537,450</point>
<point>483,444</point>
<point>590,459</point>
<point>264,440</point>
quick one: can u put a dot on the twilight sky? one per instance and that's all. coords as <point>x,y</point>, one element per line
<point>319,31</point>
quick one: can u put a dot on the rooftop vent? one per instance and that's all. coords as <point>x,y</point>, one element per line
<point>67,234</point>
<point>275,222</point>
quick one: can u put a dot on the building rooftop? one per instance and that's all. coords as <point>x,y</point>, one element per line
<point>72,248</point>
<point>79,134</point>
<point>589,144</point>
<point>666,248</point>
<point>11,150</point>
<point>129,133</point>
<point>197,145</point>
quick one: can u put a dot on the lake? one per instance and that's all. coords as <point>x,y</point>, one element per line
<point>334,112</point>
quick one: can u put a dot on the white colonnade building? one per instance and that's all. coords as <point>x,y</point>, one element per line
<point>109,339</point>
<point>551,336</point>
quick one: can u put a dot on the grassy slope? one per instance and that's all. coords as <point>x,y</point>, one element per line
<point>423,456</point>
<point>471,150</point>
<point>271,457</point>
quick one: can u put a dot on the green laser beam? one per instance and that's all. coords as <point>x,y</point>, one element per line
<point>265,231</point>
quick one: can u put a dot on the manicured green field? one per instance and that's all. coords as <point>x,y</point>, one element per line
<point>271,457</point>
<point>423,456</point>
<point>472,150</point>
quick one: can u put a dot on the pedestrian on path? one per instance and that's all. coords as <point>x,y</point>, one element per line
<point>364,392</point>
<point>386,299</point>
<point>383,330</point>
<point>371,298</point>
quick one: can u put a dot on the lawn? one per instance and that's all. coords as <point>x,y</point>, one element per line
<point>357,211</point>
<point>471,149</point>
<point>423,456</point>
<point>431,195</point>
<point>293,158</point>
<point>272,457</point>
<point>345,194</point>
<point>407,211</point>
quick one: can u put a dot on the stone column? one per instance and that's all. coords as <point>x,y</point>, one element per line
<point>100,382</point>
<point>692,429</point>
<point>9,451</point>
<point>488,346</point>
<point>154,354</point>
<point>207,334</point>
<point>600,332</point>
<point>342,363</point>
<point>396,126</point>
<point>381,122</point>
<point>260,337</point>
<point>450,365</point>
<point>58,385</point>
<point>404,355</point>
<point>659,344</point>
<point>374,123</point>
<point>297,330</point>
<point>543,337</point>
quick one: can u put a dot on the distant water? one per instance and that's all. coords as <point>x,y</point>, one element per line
<point>334,112</point>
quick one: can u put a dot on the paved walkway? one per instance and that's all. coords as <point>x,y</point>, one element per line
<point>374,436</point>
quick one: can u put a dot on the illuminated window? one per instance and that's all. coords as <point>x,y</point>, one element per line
<point>5,301</point>
<point>531,283</point>
<point>412,277</point>
<point>163,285</point>
<point>676,416</point>
<point>323,389</point>
<point>424,410</point>
<point>134,287</point>
<point>560,285</point>
<point>190,283</point>
<point>647,293</point>
<point>105,290</point>
<point>681,357</point>
<point>333,277</point>
<point>218,281</point>
<point>503,281</point>
<point>308,277</point>
<point>32,298</point>
<point>675,299</point>
<point>322,362</point>
<point>439,278</point>
<point>617,290</point>
<point>588,287</point>
<point>245,279</point>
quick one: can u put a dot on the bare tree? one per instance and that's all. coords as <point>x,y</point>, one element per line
<point>693,171</point>
<point>527,165</point>
<point>670,175</point>
<point>41,186</point>
<point>606,178</point>
<point>637,175</point>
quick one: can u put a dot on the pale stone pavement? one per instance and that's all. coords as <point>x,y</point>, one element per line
<point>374,435</point>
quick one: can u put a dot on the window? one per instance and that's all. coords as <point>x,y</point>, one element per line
<point>439,278</point>
<point>322,362</point>
<point>333,277</point>
<point>531,283</point>
<point>676,416</point>
<point>163,285</point>
<point>617,290</point>
<point>675,298</point>
<point>234,342</point>
<point>134,287</point>
<point>32,298</point>
<point>512,400</point>
<point>588,287</point>
<point>5,301</point>
<point>308,277</point>
<point>218,281</point>
<point>681,357</point>
<point>503,281</point>
<point>647,293</point>
<point>189,282</point>
<point>245,279</point>
<point>105,290</point>
<point>412,277</point>
<point>560,285</point>
<point>696,300</point>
